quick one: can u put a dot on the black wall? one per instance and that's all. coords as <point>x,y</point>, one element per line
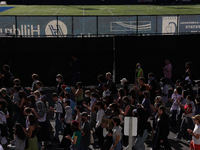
<point>50,56</point>
<point>152,51</point>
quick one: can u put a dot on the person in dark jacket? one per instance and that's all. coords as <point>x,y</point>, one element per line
<point>162,130</point>
<point>60,80</point>
<point>142,130</point>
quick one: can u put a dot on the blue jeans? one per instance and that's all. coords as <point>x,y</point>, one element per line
<point>118,146</point>
<point>170,82</point>
<point>84,147</point>
<point>58,127</point>
<point>173,118</point>
<point>139,143</point>
<point>72,147</point>
<point>76,78</point>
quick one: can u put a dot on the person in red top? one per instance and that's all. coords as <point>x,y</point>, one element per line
<point>187,122</point>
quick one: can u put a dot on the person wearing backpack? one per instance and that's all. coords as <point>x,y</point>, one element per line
<point>58,111</point>
<point>65,143</point>
<point>153,87</point>
<point>40,114</point>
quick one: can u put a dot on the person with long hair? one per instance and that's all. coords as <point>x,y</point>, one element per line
<point>22,104</point>
<point>76,138</point>
<point>187,122</point>
<point>78,114</point>
<point>31,132</point>
<point>119,101</point>
<point>162,130</point>
<point>78,94</point>
<point>20,137</point>
<point>117,134</point>
<point>114,110</point>
<point>23,101</point>
<point>132,96</point>
<point>4,114</point>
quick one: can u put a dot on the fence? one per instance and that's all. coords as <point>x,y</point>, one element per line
<point>98,26</point>
<point>95,2</point>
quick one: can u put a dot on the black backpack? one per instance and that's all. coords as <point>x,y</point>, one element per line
<point>3,128</point>
<point>62,115</point>
<point>12,77</point>
<point>114,88</point>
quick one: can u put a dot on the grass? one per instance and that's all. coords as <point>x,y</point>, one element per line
<point>98,10</point>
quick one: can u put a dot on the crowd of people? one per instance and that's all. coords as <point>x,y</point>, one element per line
<point>85,116</point>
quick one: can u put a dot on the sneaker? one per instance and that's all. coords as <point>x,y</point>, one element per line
<point>176,139</point>
<point>188,141</point>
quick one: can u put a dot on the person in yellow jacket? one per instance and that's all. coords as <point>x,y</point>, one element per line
<point>138,73</point>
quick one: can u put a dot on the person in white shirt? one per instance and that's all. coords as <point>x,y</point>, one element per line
<point>106,91</point>
<point>195,143</point>
<point>99,129</point>
<point>176,97</point>
<point>3,115</point>
<point>117,134</point>
<point>164,91</point>
<point>1,148</point>
<point>27,112</point>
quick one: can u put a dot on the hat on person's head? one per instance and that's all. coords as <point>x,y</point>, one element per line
<point>85,114</point>
<point>123,80</point>
<point>197,117</point>
<point>68,90</point>
<point>63,86</point>
<point>75,123</point>
<point>31,98</point>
